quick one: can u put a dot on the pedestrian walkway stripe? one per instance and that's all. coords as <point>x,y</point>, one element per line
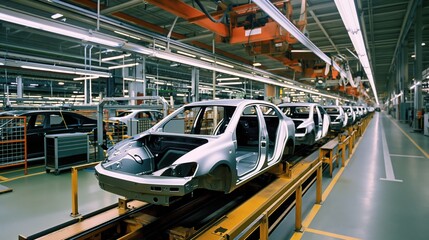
<point>25,176</point>
<point>406,156</point>
<point>390,175</point>
<point>329,234</point>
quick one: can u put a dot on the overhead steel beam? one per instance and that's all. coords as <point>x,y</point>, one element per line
<point>313,15</point>
<point>163,31</point>
<point>183,10</point>
<point>276,15</point>
<point>406,24</point>
<point>122,6</point>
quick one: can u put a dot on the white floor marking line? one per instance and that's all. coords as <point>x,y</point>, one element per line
<point>390,175</point>
<point>406,156</point>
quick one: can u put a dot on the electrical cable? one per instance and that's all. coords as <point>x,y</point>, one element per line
<point>210,16</point>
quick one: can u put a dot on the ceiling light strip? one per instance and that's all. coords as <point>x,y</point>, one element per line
<point>85,78</point>
<point>58,28</point>
<point>123,66</point>
<point>115,57</point>
<point>59,69</point>
<point>347,10</point>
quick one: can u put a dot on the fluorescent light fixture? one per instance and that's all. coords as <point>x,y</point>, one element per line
<point>217,62</point>
<point>228,79</point>
<point>423,44</point>
<point>127,35</point>
<point>225,64</point>
<point>150,77</point>
<point>59,28</point>
<point>207,59</point>
<point>47,69</point>
<point>415,85</point>
<point>181,95</point>
<point>133,79</point>
<point>413,55</point>
<point>56,15</point>
<point>60,69</point>
<point>159,83</point>
<point>61,83</point>
<point>186,54</point>
<point>1,63</point>
<point>34,84</point>
<point>347,10</point>
<point>123,66</point>
<point>86,78</point>
<point>229,83</point>
<point>300,50</point>
<point>115,57</point>
<point>160,46</point>
<point>257,64</point>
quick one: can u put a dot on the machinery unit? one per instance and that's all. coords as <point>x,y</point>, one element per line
<point>62,151</point>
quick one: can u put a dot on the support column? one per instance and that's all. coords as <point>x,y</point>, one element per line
<point>144,75</point>
<point>19,87</point>
<point>418,97</point>
<point>194,84</point>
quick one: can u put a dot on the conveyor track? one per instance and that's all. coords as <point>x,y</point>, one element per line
<point>192,214</point>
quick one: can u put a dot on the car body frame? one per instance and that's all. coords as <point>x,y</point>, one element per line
<point>338,117</point>
<point>125,116</point>
<point>311,121</point>
<point>351,115</point>
<point>216,145</point>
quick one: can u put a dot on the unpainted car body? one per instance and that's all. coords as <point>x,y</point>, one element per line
<point>337,116</point>
<point>126,115</point>
<point>311,121</point>
<point>351,115</point>
<point>217,145</point>
<point>42,122</point>
<point>358,112</point>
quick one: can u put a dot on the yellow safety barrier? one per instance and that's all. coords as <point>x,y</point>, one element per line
<point>74,180</point>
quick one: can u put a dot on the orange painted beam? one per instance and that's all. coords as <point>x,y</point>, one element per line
<point>271,31</point>
<point>158,29</point>
<point>189,13</point>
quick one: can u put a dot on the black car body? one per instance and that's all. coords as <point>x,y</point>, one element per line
<point>42,122</point>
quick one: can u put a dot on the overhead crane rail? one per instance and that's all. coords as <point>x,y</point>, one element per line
<point>234,215</point>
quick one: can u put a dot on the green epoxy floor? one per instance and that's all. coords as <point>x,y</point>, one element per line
<point>362,205</point>
<point>43,201</point>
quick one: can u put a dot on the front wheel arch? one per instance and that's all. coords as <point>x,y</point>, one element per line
<point>219,179</point>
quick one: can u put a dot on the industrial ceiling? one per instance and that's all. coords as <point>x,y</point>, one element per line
<point>388,27</point>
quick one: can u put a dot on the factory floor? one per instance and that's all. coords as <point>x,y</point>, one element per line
<point>39,201</point>
<point>382,193</point>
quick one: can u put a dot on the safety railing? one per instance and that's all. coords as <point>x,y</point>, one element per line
<point>13,142</point>
<point>74,183</point>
